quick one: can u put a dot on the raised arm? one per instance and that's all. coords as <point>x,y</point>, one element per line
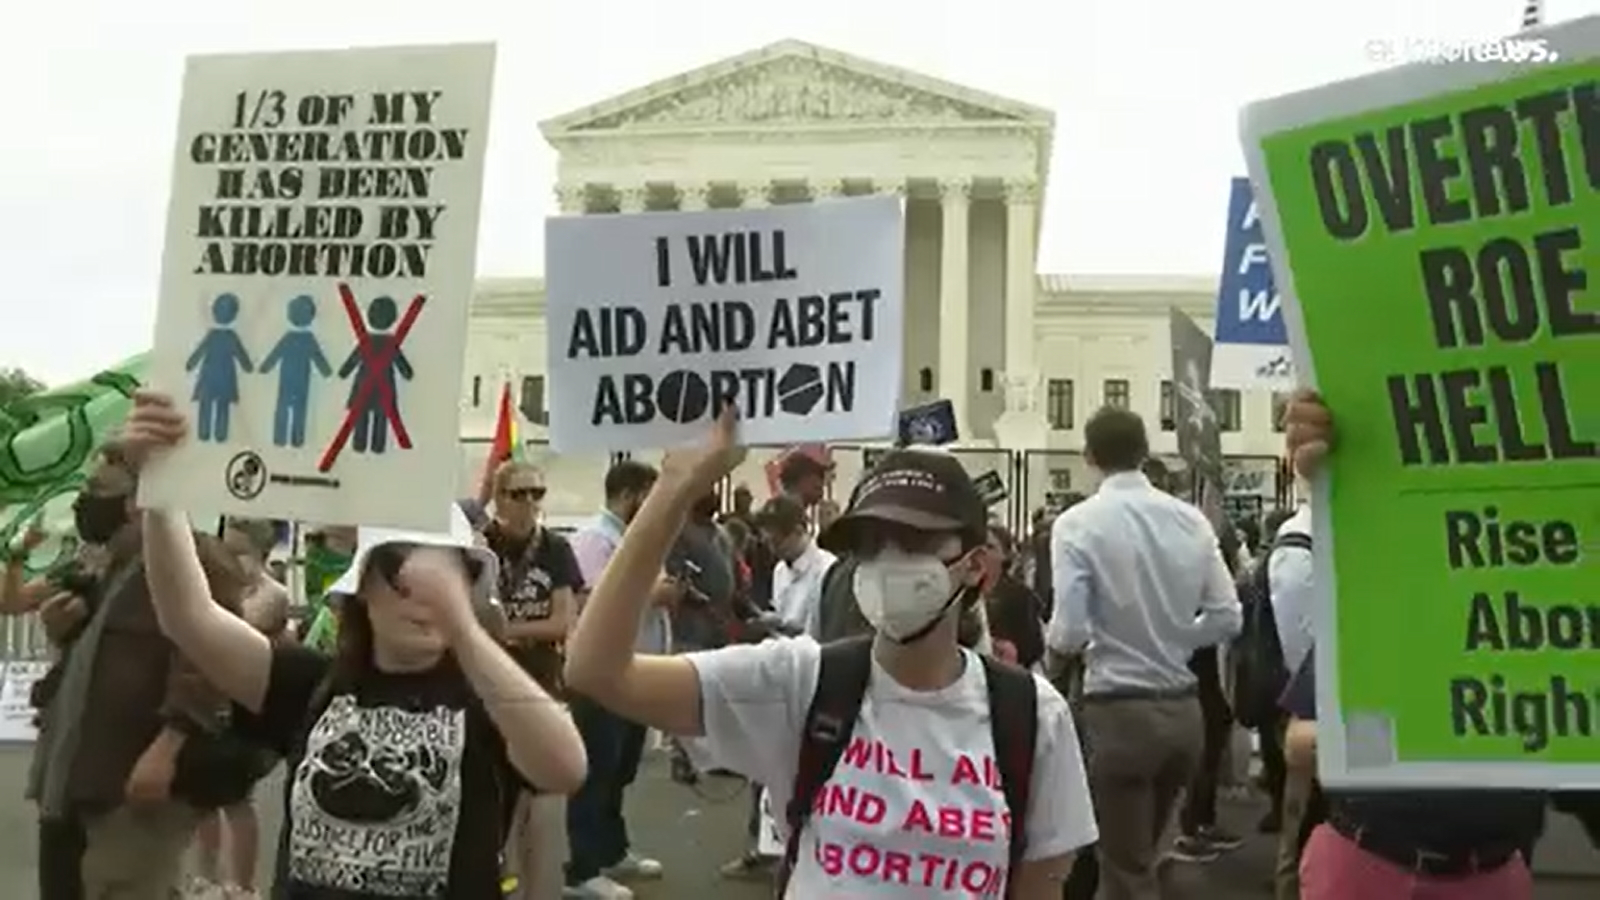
<point>541,741</point>
<point>660,691</point>
<point>19,596</point>
<point>230,654</point>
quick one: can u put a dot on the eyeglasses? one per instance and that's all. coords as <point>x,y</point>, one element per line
<point>525,493</point>
<point>388,559</point>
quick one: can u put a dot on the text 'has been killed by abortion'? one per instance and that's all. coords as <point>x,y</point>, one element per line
<point>1541,150</point>
<point>325,185</point>
<point>686,331</point>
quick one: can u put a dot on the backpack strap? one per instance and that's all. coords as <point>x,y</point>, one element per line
<point>1289,540</point>
<point>1297,540</point>
<point>827,615</point>
<point>1014,728</point>
<point>841,685</point>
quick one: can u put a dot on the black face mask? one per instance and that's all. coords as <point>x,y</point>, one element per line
<point>98,517</point>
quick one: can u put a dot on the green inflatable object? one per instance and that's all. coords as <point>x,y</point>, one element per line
<point>47,444</point>
<point>322,568</point>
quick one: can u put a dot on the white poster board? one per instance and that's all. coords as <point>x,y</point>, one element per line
<point>320,252</point>
<point>16,707</point>
<point>793,314</point>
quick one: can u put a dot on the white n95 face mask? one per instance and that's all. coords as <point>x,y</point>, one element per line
<point>901,594</point>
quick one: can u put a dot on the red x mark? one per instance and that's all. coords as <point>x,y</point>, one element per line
<point>377,364</point>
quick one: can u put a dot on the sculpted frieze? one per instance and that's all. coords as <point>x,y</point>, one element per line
<point>795,90</point>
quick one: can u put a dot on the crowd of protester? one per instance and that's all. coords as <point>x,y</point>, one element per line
<point>437,689</point>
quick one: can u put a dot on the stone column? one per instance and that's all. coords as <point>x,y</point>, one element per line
<point>1022,212</point>
<point>571,198</point>
<point>632,199</point>
<point>694,197</point>
<point>755,195</point>
<point>1023,421</point>
<point>954,381</point>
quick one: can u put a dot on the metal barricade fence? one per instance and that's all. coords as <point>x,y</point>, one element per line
<point>1034,479</point>
<point>24,640</point>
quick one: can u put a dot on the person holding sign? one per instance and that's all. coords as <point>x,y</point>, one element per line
<point>935,746</point>
<point>1453,844</point>
<point>405,748</point>
<point>1434,229</point>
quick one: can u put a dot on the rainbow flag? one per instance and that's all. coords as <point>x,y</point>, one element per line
<point>507,441</point>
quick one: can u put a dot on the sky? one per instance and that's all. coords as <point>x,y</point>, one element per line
<point>1146,95</point>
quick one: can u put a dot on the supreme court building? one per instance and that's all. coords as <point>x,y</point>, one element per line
<point>1024,357</point>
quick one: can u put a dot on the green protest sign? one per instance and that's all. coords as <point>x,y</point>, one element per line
<point>47,444</point>
<point>1437,230</point>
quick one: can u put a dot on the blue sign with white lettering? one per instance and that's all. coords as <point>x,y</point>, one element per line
<point>1248,311</point>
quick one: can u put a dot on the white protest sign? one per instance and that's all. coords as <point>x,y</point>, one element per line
<point>792,314</point>
<point>320,249</point>
<point>769,840</point>
<point>16,699</point>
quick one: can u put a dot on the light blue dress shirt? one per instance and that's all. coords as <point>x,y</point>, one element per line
<point>594,545</point>
<point>1140,584</point>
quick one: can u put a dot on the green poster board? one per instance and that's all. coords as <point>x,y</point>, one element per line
<point>1437,232</point>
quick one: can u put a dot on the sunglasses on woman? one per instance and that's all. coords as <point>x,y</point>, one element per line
<point>388,559</point>
<point>525,493</point>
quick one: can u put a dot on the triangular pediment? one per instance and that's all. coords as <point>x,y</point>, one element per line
<point>792,83</point>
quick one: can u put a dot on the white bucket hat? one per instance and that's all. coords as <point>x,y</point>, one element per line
<point>461,537</point>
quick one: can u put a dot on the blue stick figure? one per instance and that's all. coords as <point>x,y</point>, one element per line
<point>219,357</point>
<point>294,356</point>
<point>371,432</point>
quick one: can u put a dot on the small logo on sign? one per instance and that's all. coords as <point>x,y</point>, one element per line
<point>246,475</point>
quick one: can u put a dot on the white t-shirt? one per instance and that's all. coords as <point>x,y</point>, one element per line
<point>797,588</point>
<point>914,808</point>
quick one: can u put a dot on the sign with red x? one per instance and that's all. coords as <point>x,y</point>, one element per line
<point>377,361</point>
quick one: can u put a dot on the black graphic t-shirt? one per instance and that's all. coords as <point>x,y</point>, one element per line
<point>398,790</point>
<point>532,569</point>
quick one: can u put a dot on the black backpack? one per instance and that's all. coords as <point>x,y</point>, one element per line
<point>831,719</point>
<point>1259,672</point>
<point>838,616</point>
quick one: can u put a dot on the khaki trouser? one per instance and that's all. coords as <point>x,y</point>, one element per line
<point>1142,752</point>
<point>136,851</point>
<point>1286,876</point>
